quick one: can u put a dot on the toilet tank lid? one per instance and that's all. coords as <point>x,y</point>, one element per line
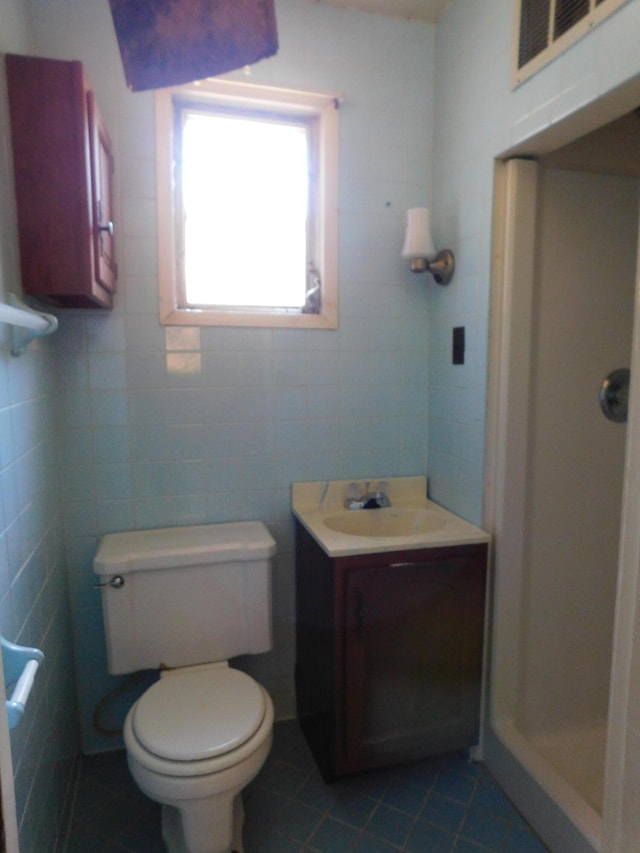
<point>178,546</point>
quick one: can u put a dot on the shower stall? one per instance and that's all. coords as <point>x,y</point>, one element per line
<point>566,238</point>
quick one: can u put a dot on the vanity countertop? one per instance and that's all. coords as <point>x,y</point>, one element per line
<point>411,522</point>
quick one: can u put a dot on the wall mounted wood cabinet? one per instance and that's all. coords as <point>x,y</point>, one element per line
<point>63,166</point>
<point>389,653</point>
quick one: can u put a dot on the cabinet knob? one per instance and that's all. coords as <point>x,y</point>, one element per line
<point>108,228</point>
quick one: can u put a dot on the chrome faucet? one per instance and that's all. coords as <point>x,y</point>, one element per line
<point>358,499</point>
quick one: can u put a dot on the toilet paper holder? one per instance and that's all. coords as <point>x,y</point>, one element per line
<point>20,664</point>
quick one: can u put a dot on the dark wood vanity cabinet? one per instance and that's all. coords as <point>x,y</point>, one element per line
<point>389,653</point>
<point>63,165</point>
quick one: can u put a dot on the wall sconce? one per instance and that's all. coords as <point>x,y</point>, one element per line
<point>418,248</point>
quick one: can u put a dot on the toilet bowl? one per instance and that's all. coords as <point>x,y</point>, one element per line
<point>194,740</point>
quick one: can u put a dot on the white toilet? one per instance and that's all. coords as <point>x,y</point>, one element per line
<point>184,600</point>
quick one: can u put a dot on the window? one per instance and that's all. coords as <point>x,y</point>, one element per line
<point>247,206</point>
<point>546,28</point>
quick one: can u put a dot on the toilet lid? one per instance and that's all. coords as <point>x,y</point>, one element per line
<point>196,715</point>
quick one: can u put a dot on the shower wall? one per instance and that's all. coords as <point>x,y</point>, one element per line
<point>583,314</point>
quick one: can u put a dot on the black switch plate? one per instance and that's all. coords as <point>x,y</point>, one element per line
<point>458,345</point>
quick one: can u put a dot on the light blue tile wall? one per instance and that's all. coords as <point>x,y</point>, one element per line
<point>34,599</point>
<point>144,448</point>
<point>478,118</point>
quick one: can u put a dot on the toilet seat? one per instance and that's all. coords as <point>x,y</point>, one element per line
<point>216,764</point>
<point>198,715</point>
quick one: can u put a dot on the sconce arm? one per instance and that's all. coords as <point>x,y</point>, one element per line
<point>442,267</point>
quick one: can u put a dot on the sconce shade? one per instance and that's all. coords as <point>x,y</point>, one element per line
<point>169,42</point>
<point>418,248</point>
<point>417,241</point>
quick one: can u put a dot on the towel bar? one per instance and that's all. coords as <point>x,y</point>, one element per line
<point>20,664</point>
<point>26,324</point>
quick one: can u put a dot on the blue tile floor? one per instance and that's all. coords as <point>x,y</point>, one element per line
<point>439,805</point>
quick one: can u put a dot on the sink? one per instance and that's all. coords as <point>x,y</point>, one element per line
<point>386,522</point>
<point>412,522</point>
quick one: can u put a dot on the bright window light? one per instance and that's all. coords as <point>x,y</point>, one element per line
<point>245,200</point>
<point>247,179</point>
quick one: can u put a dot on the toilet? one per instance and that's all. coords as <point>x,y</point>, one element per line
<point>185,600</point>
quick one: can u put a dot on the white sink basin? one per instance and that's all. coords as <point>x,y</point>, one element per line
<point>411,522</point>
<point>386,522</point>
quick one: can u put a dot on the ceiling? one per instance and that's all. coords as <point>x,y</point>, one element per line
<point>421,10</point>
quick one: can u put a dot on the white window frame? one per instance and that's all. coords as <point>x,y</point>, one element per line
<point>560,45</point>
<point>323,108</point>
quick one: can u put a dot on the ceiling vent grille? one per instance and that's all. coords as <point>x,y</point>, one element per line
<point>545,28</point>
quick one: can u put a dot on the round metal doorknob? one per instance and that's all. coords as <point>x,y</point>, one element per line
<point>108,228</point>
<point>614,395</point>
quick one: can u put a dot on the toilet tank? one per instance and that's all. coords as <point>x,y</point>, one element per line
<point>190,594</point>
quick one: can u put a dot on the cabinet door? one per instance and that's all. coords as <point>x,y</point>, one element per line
<point>63,167</point>
<point>413,659</point>
<point>102,198</point>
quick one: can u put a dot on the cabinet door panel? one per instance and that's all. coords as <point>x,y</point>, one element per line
<point>413,656</point>
<point>102,198</point>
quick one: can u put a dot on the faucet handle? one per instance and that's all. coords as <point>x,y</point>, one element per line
<point>381,493</point>
<point>354,496</point>
<point>354,491</point>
